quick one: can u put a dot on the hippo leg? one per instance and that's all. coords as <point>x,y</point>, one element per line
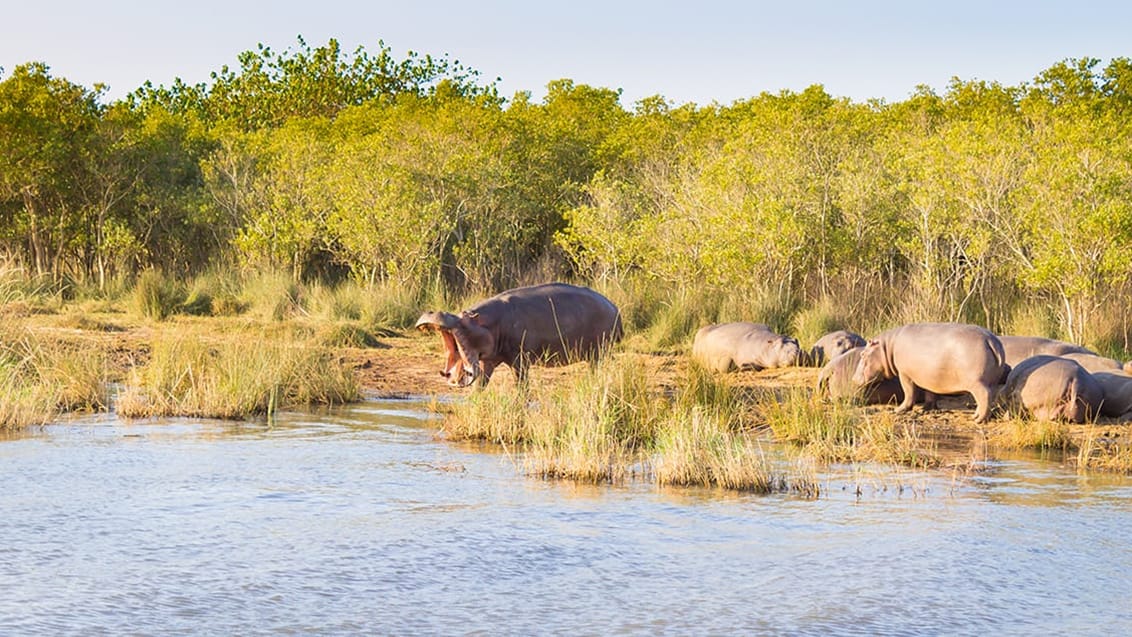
<point>909,389</point>
<point>927,398</point>
<point>983,395</point>
<point>488,370</point>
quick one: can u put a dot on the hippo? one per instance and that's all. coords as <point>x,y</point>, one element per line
<point>1094,362</point>
<point>1117,389</point>
<point>550,324</point>
<point>832,345</point>
<point>1054,388</point>
<point>941,358</point>
<point>1019,348</point>
<point>836,380</point>
<point>745,346</point>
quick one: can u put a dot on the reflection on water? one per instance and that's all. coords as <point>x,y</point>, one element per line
<point>361,521</point>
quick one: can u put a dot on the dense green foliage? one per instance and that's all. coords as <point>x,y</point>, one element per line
<point>1006,206</point>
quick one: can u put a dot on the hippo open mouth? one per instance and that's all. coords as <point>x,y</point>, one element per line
<point>462,366</point>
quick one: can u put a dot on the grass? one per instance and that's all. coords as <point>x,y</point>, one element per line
<point>1014,431</point>
<point>237,376</point>
<point>40,378</point>
<point>699,447</point>
<point>835,431</point>
<point>1099,454</point>
<point>609,425</point>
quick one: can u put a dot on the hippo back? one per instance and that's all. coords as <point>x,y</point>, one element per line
<point>553,323</point>
<point>742,345</point>
<point>1117,389</point>
<point>834,344</point>
<point>1019,348</point>
<point>1054,388</point>
<point>1094,362</point>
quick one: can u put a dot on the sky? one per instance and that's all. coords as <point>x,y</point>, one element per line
<point>699,51</point>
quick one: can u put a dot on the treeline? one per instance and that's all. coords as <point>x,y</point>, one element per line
<point>1001,205</point>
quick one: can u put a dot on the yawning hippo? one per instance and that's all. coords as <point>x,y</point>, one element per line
<point>1054,388</point>
<point>836,381</point>
<point>745,346</point>
<point>1019,348</point>
<point>833,345</point>
<point>941,358</point>
<point>550,324</point>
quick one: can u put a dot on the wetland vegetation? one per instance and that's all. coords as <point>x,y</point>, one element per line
<point>227,249</point>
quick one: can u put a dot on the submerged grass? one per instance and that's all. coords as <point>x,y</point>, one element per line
<point>233,377</point>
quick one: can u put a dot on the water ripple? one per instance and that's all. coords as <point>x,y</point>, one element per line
<point>360,521</point>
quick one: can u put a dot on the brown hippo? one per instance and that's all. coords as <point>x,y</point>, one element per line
<point>836,381</point>
<point>941,358</point>
<point>1117,388</point>
<point>1094,362</point>
<point>744,346</point>
<point>1054,388</point>
<point>833,345</point>
<point>550,324</point>
<point>1019,348</point>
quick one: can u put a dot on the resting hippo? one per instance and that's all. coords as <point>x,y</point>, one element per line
<point>754,346</point>
<point>1019,348</point>
<point>836,380</point>
<point>551,324</point>
<point>1117,388</point>
<point>941,358</point>
<point>1094,362</point>
<point>833,345</point>
<point>1054,388</point>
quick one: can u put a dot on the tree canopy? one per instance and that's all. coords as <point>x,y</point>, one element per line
<point>976,201</point>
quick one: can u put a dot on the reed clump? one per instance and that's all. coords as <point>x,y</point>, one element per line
<point>836,431</point>
<point>700,447</point>
<point>1098,453</point>
<point>607,426</point>
<point>498,416</point>
<point>39,378</point>
<point>237,376</point>
<point>597,428</point>
<point>1015,431</point>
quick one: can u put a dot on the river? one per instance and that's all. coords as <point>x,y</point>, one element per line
<point>361,520</point>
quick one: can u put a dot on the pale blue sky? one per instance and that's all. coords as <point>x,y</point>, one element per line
<point>689,51</point>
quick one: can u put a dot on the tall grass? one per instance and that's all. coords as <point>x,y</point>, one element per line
<point>700,447</point>
<point>233,377</point>
<point>1014,431</point>
<point>609,425</point>
<point>273,296</point>
<point>595,428</point>
<point>157,296</point>
<point>40,378</point>
<point>835,431</point>
<point>1098,454</point>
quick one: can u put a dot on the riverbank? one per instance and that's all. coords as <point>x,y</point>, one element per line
<point>407,364</point>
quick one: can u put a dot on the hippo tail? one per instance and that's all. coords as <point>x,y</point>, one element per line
<point>999,354</point>
<point>1006,369</point>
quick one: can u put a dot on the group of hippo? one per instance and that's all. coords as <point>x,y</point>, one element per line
<point>558,324</point>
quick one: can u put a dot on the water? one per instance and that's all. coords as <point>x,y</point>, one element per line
<point>361,522</point>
